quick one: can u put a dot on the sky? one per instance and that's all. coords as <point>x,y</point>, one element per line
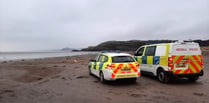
<point>30,25</point>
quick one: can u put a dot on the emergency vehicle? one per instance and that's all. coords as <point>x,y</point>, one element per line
<point>113,66</point>
<point>171,60</point>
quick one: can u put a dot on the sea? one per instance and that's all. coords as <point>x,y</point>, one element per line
<point>7,56</point>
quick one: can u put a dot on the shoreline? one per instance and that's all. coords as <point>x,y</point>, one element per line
<point>38,55</point>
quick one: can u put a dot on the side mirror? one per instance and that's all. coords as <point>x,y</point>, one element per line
<point>92,60</point>
<point>136,54</point>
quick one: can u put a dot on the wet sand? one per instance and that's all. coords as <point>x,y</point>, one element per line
<point>66,80</point>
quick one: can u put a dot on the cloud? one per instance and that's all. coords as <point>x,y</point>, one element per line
<point>46,24</point>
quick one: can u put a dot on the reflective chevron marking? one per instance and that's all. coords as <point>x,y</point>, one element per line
<point>193,62</point>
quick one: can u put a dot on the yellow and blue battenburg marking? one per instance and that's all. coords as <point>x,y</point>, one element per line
<point>93,65</point>
<point>144,59</point>
<point>101,66</point>
<point>155,60</point>
<point>135,57</point>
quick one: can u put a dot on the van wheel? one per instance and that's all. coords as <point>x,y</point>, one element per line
<point>102,80</point>
<point>193,79</point>
<point>162,77</point>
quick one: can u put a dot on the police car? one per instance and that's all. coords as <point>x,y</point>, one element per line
<point>171,60</point>
<point>112,66</point>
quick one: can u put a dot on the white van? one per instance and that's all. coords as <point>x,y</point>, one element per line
<point>169,60</point>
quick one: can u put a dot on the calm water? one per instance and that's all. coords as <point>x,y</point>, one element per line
<point>5,56</point>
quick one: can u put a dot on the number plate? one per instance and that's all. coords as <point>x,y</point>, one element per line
<point>180,65</point>
<point>125,69</point>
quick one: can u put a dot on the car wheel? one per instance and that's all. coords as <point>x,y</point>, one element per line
<point>133,80</point>
<point>162,77</point>
<point>102,80</point>
<point>90,73</point>
<point>193,79</point>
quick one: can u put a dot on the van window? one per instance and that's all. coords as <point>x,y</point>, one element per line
<point>160,51</point>
<point>194,49</point>
<point>186,49</point>
<point>150,51</point>
<point>139,52</point>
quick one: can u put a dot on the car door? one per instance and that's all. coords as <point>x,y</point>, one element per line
<point>103,62</point>
<point>95,66</point>
<point>100,63</point>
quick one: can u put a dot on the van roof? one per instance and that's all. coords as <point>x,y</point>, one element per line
<point>171,43</point>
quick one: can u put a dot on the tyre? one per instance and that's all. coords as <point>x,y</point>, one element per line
<point>133,80</point>
<point>193,79</point>
<point>102,80</point>
<point>90,73</point>
<point>162,77</point>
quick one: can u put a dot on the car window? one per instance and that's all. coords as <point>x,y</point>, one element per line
<point>122,59</point>
<point>105,59</point>
<point>97,58</point>
<point>100,58</point>
<point>150,51</point>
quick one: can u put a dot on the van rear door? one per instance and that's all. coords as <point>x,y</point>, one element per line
<point>186,58</point>
<point>195,58</point>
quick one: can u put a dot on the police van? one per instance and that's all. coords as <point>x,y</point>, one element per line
<point>113,66</point>
<point>171,60</point>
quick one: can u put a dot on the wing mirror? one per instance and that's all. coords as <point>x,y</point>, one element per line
<point>138,54</point>
<point>92,60</point>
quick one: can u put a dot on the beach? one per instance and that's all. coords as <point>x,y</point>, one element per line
<point>66,80</point>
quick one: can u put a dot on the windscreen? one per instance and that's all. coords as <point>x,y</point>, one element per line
<point>122,59</point>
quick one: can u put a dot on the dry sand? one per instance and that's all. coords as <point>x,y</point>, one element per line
<point>66,80</point>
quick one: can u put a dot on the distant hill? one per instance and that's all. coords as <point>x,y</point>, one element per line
<point>69,49</point>
<point>66,49</point>
<point>132,45</point>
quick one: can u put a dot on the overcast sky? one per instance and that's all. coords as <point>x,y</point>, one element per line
<point>27,25</point>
